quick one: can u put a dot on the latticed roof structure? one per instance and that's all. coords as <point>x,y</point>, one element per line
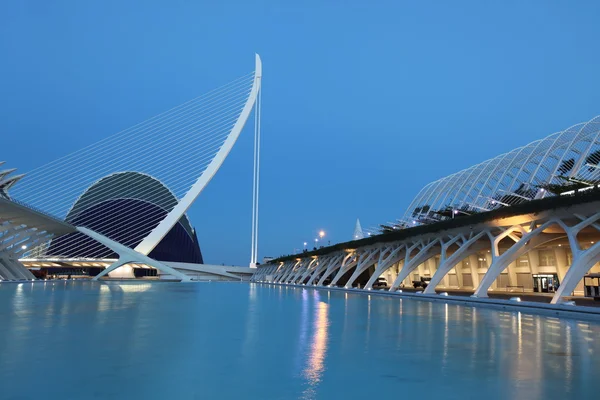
<point>564,161</point>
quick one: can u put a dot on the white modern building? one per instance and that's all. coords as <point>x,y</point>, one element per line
<point>525,221</point>
<point>122,201</point>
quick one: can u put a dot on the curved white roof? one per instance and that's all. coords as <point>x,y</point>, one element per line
<point>560,162</point>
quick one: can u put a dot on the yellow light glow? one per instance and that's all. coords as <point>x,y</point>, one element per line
<point>316,362</point>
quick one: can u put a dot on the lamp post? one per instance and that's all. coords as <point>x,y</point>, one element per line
<point>321,235</point>
<point>316,241</point>
<point>305,245</point>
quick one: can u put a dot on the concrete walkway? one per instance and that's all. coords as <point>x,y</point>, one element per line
<point>504,295</point>
<point>538,303</point>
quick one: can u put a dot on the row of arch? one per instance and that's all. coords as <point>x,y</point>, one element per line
<point>563,161</point>
<point>504,243</point>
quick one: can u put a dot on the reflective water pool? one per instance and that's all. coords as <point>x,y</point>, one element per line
<point>238,341</point>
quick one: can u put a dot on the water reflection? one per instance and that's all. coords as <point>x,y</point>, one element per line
<point>281,343</point>
<point>315,365</point>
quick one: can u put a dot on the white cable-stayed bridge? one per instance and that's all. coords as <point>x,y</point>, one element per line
<point>128,193</point>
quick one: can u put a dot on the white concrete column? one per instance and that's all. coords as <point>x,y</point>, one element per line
<point>473,266</point>
<point>384,264</point>
<point>512,274</point>
<point>560,253</point>
<point>528,241</point>
<point>349,259</point>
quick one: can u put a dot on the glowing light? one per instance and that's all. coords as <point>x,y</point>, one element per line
<point>321,234</point>
<point>24,247</point>
<point>316,362</point>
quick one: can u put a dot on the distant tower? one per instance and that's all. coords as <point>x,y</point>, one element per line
<point>358,232</point>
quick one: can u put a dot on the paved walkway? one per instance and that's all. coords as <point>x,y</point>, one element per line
<point>527,296</point>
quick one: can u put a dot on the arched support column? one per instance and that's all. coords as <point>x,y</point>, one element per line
<point>527,242</point>
<point>119,263</point>
<point>350,259</point>
<point>384,264</point>
<point>467,248</point>
<point>299,267</point>
<point>323,267</point>
<point>291,268</point>
<point>301,271</point>
<point>583,260</point>
<point>283,269</point>
<point>425,252</point>
<point>365,258</point>
<point>384,254</point>
<point>128,255</point>
<point>5,273</point>
<point>17,270</point>
<point>580,266</point>
<point>309,271</point>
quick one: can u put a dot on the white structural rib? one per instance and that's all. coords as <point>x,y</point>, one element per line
<point>158,233</point>
<point>256,183</point>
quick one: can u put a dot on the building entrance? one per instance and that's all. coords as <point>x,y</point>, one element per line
<point>545,283</point>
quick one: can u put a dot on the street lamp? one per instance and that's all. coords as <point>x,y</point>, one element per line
<point>321,234</point>
<point>305,245</point>
<point>316,241</point>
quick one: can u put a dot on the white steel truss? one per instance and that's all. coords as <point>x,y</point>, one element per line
<point>567,159</point>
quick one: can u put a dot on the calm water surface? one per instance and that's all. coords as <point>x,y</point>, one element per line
<point>238,341</point>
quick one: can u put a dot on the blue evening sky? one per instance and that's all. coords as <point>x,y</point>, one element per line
<point>364,102</point>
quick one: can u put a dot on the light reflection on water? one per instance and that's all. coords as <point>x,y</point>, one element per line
<point>228,340</point>
<point>315,364</point>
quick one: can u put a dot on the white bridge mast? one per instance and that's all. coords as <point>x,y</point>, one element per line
<point>256,178</point>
